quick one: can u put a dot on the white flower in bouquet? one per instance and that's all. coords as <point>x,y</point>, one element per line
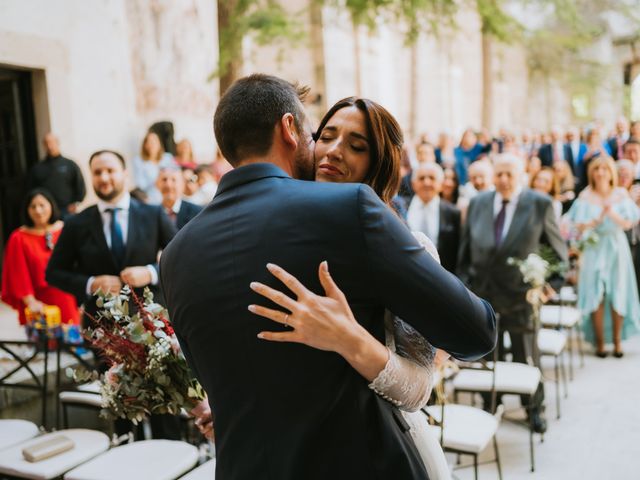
<point>534,269</point>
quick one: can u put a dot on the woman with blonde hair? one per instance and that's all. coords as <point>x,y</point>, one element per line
<point>603,212</point>
<point>546,182</point>
<point>147,165</point>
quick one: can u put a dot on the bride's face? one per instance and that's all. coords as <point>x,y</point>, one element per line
<point>342,151</point>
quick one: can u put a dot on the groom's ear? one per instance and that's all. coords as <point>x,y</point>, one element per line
<point>288,131</point>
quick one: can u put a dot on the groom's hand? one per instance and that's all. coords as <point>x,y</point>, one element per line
<point>203,418</point>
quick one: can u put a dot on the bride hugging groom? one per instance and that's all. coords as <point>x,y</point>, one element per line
<point>307,371</point>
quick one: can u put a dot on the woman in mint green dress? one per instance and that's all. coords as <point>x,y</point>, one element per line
<point>607,277</point>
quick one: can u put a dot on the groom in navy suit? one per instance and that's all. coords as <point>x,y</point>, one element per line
<point>284,411</point>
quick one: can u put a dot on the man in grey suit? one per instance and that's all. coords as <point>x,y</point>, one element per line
<point>509,222</point>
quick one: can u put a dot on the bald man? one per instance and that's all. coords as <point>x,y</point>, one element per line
<point>436,218</point>
<point>59,175</point>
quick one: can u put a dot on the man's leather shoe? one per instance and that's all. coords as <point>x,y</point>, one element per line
<point>538,423</point>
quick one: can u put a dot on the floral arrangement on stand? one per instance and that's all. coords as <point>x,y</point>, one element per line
<point>147,373</point>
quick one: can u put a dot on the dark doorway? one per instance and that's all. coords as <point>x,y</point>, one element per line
<point>18,146</point>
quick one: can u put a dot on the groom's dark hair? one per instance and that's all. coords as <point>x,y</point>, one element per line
<point>248,112</point>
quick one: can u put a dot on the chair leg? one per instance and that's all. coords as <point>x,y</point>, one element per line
<point>65,416</point>
<point>557,380</point>
<point>531,447</point>
<point>571,333</point>
<point>495,448</point>
<point>475,466</point>
<point>580,346</point>
<point>563,371</point>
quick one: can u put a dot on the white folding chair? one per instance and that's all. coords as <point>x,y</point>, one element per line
<point>13,432</point>
<point>553,343</point>
<point>565,317</point>
<point>145,460</point>
<point>88,444</point>
<point>467,430</point>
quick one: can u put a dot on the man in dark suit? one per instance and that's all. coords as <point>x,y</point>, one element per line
<point>555,151</point>
<point>59,175</point>
<point>574,151</point>
<point>510,222</point>
<point>283,410</point>
<point>617,141</point>
<point>170,183</point>
<point>436,218</point>
<point>109,244</point>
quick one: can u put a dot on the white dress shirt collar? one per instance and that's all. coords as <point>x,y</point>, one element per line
<point>124,203</point>
<point>509,212</point>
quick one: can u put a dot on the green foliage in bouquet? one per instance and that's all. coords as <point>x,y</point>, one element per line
<point>148,373</point>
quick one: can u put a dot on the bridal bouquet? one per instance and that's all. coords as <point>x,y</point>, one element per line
<point>148,373</point>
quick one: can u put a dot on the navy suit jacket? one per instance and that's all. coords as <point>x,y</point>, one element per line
<point>187,211</point>
<point>286,411</point>
<point>82,250</point>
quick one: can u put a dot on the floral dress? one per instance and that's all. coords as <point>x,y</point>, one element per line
<point>606,266</point>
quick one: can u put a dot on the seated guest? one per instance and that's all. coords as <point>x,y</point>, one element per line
<point>146,166</point>
<point>435,217</point>
<point>170,183</point>
<point>546,182</point>
<point>25,260</point>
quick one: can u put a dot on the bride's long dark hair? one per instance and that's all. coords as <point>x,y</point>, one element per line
<point>385,139</point>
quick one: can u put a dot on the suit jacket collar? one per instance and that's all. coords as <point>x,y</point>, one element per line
<point>249,173</point>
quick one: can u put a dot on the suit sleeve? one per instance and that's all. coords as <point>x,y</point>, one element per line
<point>417,289</point>
<point>166,232</point>
<point>456,218</point>
<point>79,187</point>
<point>464,250</point>
<point>61,267</point>
<point>552,233</point>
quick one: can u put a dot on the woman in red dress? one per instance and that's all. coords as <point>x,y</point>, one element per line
<point>25,261</point>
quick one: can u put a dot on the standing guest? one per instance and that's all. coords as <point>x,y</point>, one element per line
<point>466,153</point>
<point>25,259</point>
<point>632,153</point>
<point>191,187</point>
<point>553,151</point>
<point>480,179</point>
<point>436,218</point>
<point>626,172</point>
<point>60,176</point>
<point>634,131</point>
<point>450,186</point>
<point>146,166</point>
<point>617,141</point>
<point>574,149</point>
<point>445,154</point>
<point>567,184</point>
<point>184,154</point>
<point>607,277</point>
<point>110,244</point>
<point>425,153</point>
<point>510,222</point>
<point>220,166</point>
<point>595,148</point>
<point>546,182</point>
<point>405,192</point>
<point>207,183</point>
<point>170,183</point>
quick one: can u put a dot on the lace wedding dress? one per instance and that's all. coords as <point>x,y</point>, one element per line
<point>407,380</point>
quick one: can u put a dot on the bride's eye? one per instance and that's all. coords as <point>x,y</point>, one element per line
<point>358,148</point>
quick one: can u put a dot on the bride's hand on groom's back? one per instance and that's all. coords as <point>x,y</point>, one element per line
<point>326,323</point>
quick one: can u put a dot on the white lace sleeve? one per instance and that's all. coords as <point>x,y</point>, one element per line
<point>406,380</point>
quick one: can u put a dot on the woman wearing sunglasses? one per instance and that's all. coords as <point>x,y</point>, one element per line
<point>25,259</point>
